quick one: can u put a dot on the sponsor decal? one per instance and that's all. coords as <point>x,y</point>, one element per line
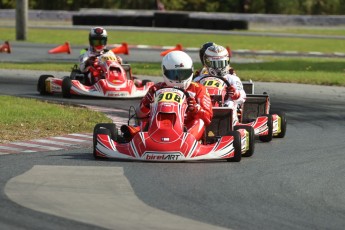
<point>169,156</point>
<point>117,94</point>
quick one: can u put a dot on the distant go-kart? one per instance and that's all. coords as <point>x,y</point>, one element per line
<point>114,81</point>
<point>165,138</point>
<point>255,112</point>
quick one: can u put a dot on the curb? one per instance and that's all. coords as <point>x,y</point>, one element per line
<point>64,142</point>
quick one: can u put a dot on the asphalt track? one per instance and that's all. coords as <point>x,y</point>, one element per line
<point>292,183</point>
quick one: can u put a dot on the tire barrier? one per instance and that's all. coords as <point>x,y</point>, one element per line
<point>161,19</point>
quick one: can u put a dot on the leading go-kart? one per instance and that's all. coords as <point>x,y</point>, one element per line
<point>255,111</point>
<point>165,138</point>
<point>109,79</point>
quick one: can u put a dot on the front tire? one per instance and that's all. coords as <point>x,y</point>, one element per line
<point>66,87</point>
<point>103,128</point>
<point>251,134</point>
<point>269,136</point>
<point>237,145</point>
<point>41,85</point>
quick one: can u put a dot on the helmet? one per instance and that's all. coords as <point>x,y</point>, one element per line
<point>98,39</point>
<point>203,49</point>
<point>216,59</point>
<point>177,68</point>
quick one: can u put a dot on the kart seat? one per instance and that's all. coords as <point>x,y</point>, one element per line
<point>221,122</point>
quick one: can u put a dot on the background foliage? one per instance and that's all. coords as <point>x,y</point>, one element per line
<point>302,7</point>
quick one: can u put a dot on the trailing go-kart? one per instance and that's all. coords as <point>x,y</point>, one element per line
<point>165,138</point>
<point>109,79</point>
<point>255,111</point>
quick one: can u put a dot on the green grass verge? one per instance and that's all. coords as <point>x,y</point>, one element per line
<point>235,42</point>
<point>23,119</point>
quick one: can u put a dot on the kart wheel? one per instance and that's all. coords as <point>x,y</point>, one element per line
<point>251,134</point>
<point>283,123</point>
<point>110,126</point>
<point>98,131</point>
<point>269,136</point>
<point>66,87</point>
<point>237,145</point>
<point>41,85</point>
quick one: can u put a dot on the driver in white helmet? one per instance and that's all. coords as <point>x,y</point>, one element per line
<point>98,41</point>
<point>217,62</point>
<point>177,68</point>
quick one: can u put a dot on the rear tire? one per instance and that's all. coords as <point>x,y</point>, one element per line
<point>237,145</point>
<point>269,136</point>
<point>41,85</point>
<point>283,123</point>
<point>251,132</point>
<point>66,87</point>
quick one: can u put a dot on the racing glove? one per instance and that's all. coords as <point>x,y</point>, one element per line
<point>149,97</point>
<point>232,71</point>
<point>193,106</point>
<point>232,92</point>
<point>90,61</point>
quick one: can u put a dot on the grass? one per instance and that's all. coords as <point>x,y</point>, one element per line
<point>23,119</point>
<point>235,42</point>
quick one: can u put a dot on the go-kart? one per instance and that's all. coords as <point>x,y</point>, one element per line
<point>109,79</point>
<point>255,111</point>
<point>165,138</point>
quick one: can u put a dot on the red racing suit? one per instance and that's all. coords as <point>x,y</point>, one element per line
<point>196,120</point>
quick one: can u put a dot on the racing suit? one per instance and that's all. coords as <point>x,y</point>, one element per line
<point>195,121</point>
<point>235,101</point>
<point>87,60</point>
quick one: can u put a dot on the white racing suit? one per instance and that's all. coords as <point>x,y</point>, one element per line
<point>234,80</point>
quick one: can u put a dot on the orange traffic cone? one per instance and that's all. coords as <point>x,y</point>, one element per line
<point>65,48</point>
<point>123,49</point>
<point>229,51</point>
<point>5,47</point>
<point>178,47</point>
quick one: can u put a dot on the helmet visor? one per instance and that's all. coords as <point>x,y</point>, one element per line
<point>98,41</point>
<point>178,74</point>
<point>216,64</point>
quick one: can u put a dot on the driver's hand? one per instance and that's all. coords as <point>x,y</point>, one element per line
<point>149,97</point>
<point>90,61</point>
<point>232,92</point>
<point>193,106</point>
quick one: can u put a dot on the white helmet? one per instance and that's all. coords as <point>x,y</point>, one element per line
<point>177,68</point>
<point>216,59</point>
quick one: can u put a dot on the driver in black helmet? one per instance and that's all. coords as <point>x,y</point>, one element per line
<point>98,41</point>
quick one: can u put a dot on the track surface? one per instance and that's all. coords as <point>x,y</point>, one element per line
<point>292,183</point>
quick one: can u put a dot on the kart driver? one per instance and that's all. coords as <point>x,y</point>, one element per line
<point>202,51</point>
<point>98,40</point>
<point>217,63</point>
<point>177,68</point>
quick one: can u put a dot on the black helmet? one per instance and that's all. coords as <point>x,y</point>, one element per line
<point>202,50</point>
<point>98,38</point>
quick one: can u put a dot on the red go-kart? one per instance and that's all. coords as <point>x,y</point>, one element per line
<point>255,112</point>
<point>166,139</point>
<point>109,79</point>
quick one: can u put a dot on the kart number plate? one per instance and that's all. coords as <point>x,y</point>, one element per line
<point>213,83</point>
<point>169,97</point>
